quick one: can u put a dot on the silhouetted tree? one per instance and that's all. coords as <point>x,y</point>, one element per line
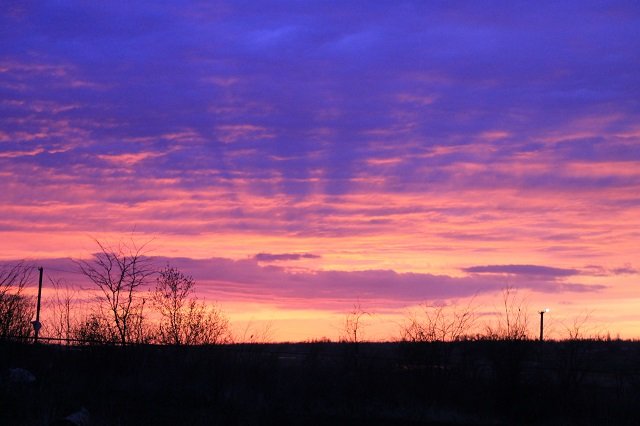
<point>354,324</point>
<point>119,272</point>
<point>184,319</point>
<point>16,309</point>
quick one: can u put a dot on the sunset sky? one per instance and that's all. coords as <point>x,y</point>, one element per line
<point>299,157</point>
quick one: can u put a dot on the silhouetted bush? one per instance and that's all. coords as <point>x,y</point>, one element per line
<point>16,309</point>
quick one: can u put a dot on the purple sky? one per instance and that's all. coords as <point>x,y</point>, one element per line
<point>406,150</point>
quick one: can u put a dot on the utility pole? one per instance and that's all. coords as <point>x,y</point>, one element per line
<point>36,323</point>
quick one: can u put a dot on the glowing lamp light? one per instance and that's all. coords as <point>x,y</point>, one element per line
<point>542,312</point>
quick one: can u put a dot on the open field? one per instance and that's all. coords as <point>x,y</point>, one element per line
<point>463,383</point>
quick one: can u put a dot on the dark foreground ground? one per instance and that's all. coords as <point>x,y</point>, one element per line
<point>465,383</point>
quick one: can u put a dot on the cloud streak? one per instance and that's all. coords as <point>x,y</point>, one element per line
<point>533,270</point>
<point>271,257</point>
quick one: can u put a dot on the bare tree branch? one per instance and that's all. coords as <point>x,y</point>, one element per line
<point>119,271</point>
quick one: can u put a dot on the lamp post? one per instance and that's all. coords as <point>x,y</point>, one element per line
<point>542,312</point>
<point>36,324</point>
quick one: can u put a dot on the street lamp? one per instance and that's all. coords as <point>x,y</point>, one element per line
<point>542,312</point>
<point>36,324</point>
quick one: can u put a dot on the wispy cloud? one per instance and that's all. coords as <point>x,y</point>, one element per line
<point>625,270</point>
<point>536,270</point>
<point>271,257</point>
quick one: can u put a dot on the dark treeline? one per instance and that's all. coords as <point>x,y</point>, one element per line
<point>483,382</point>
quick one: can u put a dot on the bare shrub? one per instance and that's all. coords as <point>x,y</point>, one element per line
<point>580,327</point>
<point>513,321</point>
<point>140,330</point>
<point>61,321</point>
<point>440,323</point>
<point>16,309</point>
<point>94,328</point>
<point>184,319</point>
